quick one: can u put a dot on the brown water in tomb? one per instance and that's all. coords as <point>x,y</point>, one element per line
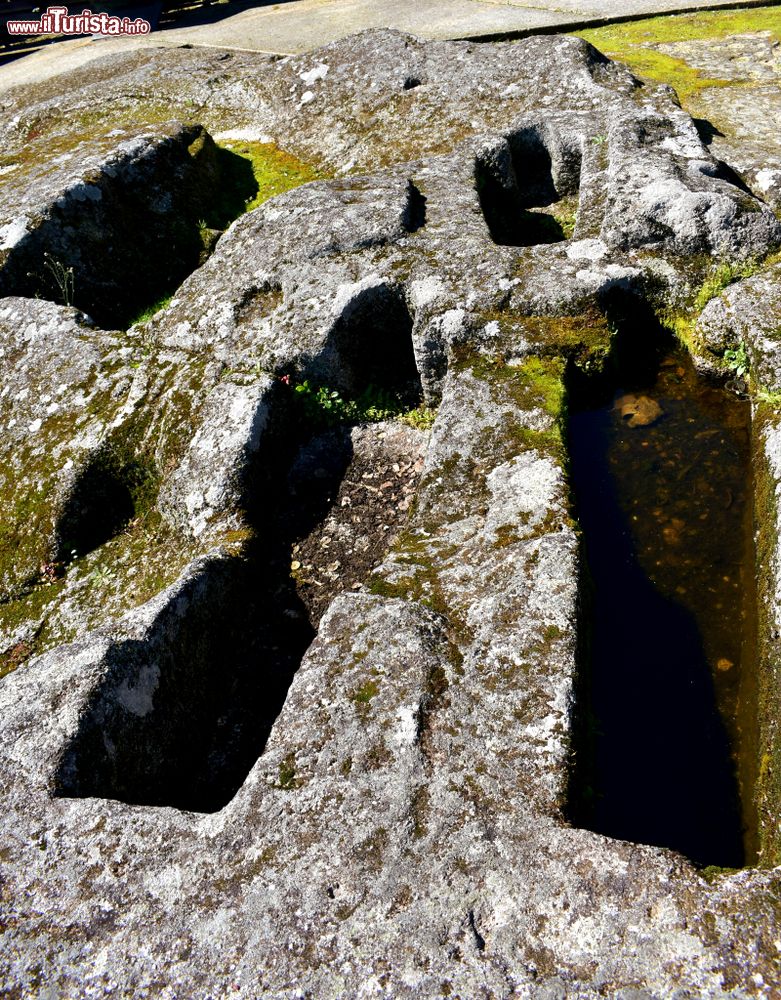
<point>662,477</point>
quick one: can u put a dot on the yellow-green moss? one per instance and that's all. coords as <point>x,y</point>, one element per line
<point>711,278</point>
<point>149,311</point>
<point>584,339</point>
<point>28,609</point>
<point>632,43</point>
<point>687,27</point>
<point>364,694</point>
<point>27,498</point>
<point>535,383</point>
<point>275,170</point>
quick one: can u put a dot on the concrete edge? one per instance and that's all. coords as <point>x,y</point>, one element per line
<point>603,22</point>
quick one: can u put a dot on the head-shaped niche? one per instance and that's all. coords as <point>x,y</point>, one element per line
<point>528,185</point>
<point>370,345</point>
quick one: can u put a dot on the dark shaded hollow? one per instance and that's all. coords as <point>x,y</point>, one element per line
<point>97,510</point>
<point>371,345</point>
<point>665,512</point>
<point>117,255</point>
<point>222,657</point>
<point>224,669</point>
<point>113,488</point>
<point>415,217</point>
<point>520,177</point>
<point>226,656</point>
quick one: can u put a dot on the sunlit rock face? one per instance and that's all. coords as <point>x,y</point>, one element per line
<point>209,788</point>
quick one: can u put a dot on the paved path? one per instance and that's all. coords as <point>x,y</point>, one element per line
<point>302,25</point>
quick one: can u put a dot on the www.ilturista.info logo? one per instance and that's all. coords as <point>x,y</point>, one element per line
<point>58,21</point>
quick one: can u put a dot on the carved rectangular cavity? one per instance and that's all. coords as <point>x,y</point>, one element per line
<point>662,477</point>
<point>182,714</point>
<point>528,186</point>
<point>125,233</point>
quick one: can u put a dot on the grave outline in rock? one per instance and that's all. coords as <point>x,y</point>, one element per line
<point>464,817</point>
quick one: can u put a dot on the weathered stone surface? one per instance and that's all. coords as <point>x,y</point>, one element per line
<point>749,313</point>
<point>746,135</point>
<point>739,117</point>
<point>208,481</point>
<point>197,799</point>
<point>65,386</point>
<point>664,188</point>
<point>357,484</point>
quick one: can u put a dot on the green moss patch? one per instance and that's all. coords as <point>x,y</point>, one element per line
<point>287,778</point>
<point>535,384</point>
<point>710,278</point>
<point>686,27</point>
<point>273,171</point>
<point>363,695</point>
<point>633,43</point>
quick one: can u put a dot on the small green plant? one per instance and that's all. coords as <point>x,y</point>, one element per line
<point>737,360</point>
<point>323,405</point>
<point>326,407</point>
<point>598,140</point>
<point>101,576</point>
<point>63,277</point>
<point>769,398</point>
<point>421,419</point>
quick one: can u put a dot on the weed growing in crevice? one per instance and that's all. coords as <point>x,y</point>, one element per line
<point>146,314</point>
<point>714,278</point>
<point>737,360</point>
<point>63,278</point>
<point>725,274</point>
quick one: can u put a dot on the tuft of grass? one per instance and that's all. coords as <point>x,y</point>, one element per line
<point>62,276</point>
<point>719,277</point>
<point>146,314</point>
<point>723,275</point>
